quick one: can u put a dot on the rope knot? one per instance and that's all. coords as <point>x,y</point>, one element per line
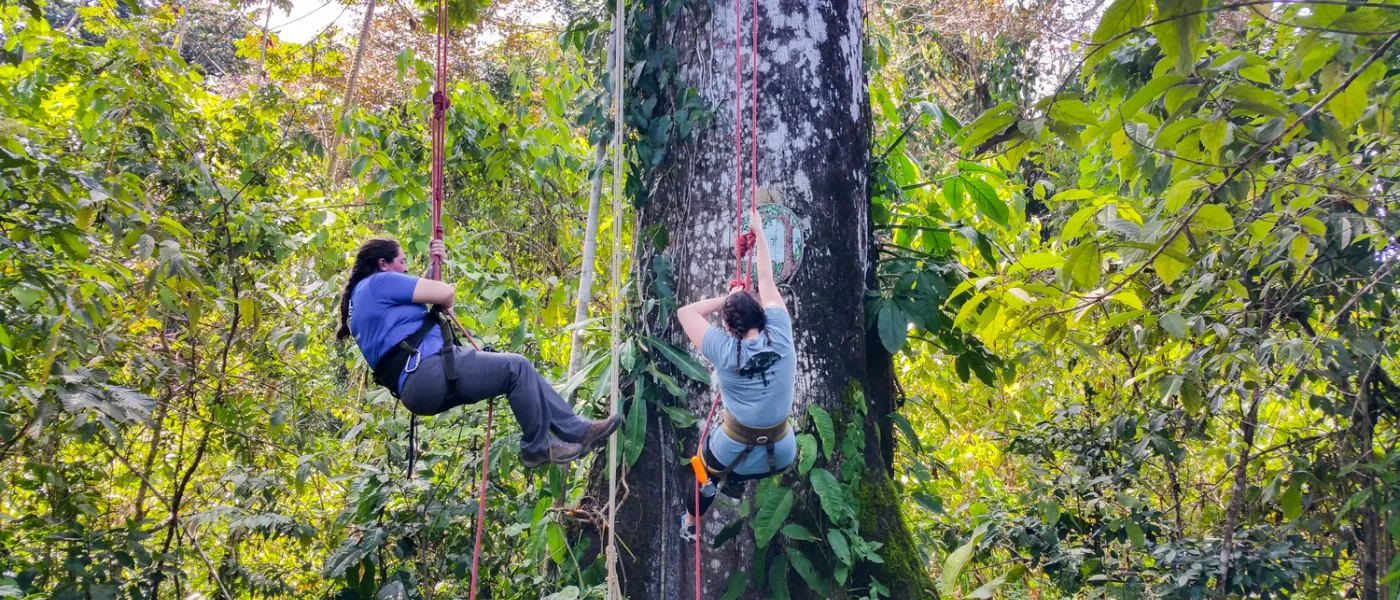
<point>440,104</point>
<point>745,243</point>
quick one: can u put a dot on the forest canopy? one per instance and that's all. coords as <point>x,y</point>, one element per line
<point>1133,268</point>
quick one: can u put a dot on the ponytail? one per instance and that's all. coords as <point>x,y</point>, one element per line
<point>742,312</point>
<point>366,264</point>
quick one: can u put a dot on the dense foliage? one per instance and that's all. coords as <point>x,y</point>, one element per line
<point>1142,292</point>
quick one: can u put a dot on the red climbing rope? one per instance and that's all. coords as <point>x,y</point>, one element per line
<point>743,241</point>
<point>438,131</point>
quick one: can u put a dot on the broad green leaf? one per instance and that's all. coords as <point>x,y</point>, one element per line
<point>1128,298</point>
<point>1177,32</point>
<point>686,363</point>
<point>839,546</point>
<point>27,296</point>
<point>829,492</point>
<point>1213,216</point>
<point>1349,105</point>
<point>825,428</point>
<point>778,578</point>
<point>635,433</point>
<point>1298,248</point>
<point>681,417</point>
<point>953,192</point>
<point>738,584</point>
<point>1084,265</point>
<point>793,531</point>
<point>1073,111</point>
<point>989,589</point>
<point>809,573</point>
<point>1037,261</point>
<point>1121,17</point>
<point>771,515</point>
<point>1180,193</point>
<point>806,452</point>
<point>957,561</point>
<point>1172,262</point>
<point>1135,534</point>
<point>1292,500</point>
<point>1255,98</point>
<point>893,326</point>
<point>988,125</point>
<point>1076,223</point>
<point>1215,135</point>
<point>1313,226</point>
<point>1173,323</point>
<point>988,204</point>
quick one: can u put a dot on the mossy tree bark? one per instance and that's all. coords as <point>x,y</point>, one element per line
<point>813,153</point>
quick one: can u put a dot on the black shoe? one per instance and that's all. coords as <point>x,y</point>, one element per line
<point>559,452</point>
<point>598,432</point>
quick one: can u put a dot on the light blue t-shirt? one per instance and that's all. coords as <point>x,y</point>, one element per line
<point>758,393</point>
<point>382,314</point>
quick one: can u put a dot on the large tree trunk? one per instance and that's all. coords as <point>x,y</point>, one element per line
<point>813,138</point>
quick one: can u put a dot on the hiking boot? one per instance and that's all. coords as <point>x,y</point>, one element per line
<point>598,432</point>
<point>559,452</point>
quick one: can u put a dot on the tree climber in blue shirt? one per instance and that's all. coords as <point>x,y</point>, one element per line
<point>383,308</point>
<point>755,369</point>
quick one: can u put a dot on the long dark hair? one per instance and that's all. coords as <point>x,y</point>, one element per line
<point>366,264</point>
<point>742,312</point>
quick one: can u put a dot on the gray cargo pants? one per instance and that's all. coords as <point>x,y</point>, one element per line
<point>481,375</point>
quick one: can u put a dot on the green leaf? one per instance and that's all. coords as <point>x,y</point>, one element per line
<point>1213,216</point>
<point>1173,323</point>
<point>729,532</point>
<point>957,561</point>
<point>825,428</point>
<point>1121,17</point>
<point>738,584</point>
<point>988,204</point>
<point>893,326</point>
<point>989,589</point>
<point>1180,193</point>
<point>681,417</point>
<point>908,430</point>
<point>687,364</point>
<point>26,295</point>
<point>1292,500</point>
<point>1084,265</point>
<point>772,512</point>
<point>1349,105</point>
<point>1172,262</point>
<point>1135,534</point>
<point>829,492</point>
<point>1128,298</point>
<point>793,531</point>
<point>777,578</point>
<point>1073,111</point>
<point>1076,223</point>
<point>806,452</point>
<point>1255,98</point>
<point>1178,31</point>
<point>953,192</point>
<point>1215,135</point>
<point>839,546</point>
<point>986,127</point>
<point>635,433</point>
<point>809,574</point>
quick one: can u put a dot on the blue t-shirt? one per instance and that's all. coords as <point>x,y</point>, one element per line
<point>758,393</point>
<point>382,313</point>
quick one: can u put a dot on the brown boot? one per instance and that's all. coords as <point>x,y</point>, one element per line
<point>599,431</point>
<point>559,452</point>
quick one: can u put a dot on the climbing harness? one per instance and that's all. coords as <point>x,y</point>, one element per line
<point>743,246</point>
